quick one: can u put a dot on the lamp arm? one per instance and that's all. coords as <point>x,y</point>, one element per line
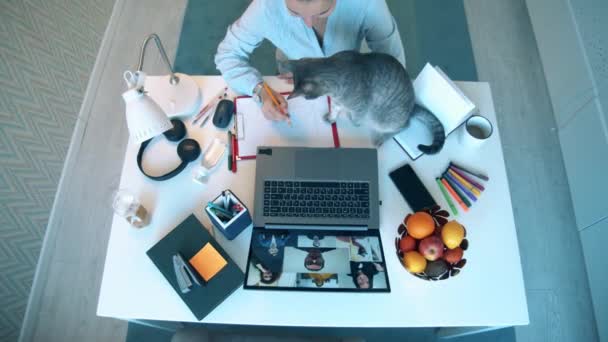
<point>174,79</point>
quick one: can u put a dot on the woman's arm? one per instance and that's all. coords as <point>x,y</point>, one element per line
<point>381,32</point>
<point>242,37</point>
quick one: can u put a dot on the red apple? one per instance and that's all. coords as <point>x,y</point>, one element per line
<point>453,255</point>
<point>431,248</point>
<point>407,244</point>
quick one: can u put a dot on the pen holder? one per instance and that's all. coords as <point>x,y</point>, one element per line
<point>228,214</point>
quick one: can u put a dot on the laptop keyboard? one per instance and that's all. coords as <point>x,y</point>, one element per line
<point>316,199</point>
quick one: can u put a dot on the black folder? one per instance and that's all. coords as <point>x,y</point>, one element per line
<point>187,239</point>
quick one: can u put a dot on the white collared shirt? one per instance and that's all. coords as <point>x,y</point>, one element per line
<point>348,25</point>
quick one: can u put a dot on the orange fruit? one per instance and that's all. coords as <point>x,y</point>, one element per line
<point>452,234</point>
<point>414,262</point>
<point>420,225</point>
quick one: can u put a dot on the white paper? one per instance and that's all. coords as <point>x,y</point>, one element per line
<point>435,91</point>
<point>308,126</point>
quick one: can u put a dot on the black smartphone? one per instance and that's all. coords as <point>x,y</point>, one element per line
<point>411,188</point>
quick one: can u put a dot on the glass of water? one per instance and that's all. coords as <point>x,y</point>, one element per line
<point>127,205</point>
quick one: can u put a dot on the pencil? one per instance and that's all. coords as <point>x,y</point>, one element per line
<point>458,186</point>
<point>467,178</point>
<point>447,197</point>
<point>465,183</point>
<point>455,195</point>
<point>457,190</point>
<point>209,105</point>
<point>275,101</point>
<point>460,168</point>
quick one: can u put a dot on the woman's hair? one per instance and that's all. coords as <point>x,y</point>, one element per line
<point>273,278</point>
<point>370,278</point>
<point>367,269</point>
<point>314,257</point>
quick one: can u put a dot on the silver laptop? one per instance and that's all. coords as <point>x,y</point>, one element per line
<point>316,188</point>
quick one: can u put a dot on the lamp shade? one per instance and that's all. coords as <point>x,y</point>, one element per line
<point>179,99</point>
<point>145,118</point>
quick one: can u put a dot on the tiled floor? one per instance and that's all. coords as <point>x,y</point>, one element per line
<point>506,56</point>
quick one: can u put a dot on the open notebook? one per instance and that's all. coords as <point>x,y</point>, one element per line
<point>435,91</point>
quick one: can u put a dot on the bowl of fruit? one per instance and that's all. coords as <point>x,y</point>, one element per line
<point>430,246</point>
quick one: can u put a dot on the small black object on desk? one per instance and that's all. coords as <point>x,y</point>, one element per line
<point>411,188</point>
<point>223,113</point>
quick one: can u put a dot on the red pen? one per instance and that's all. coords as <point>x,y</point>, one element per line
<point>235,152</point>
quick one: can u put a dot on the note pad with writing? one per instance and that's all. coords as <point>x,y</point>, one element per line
<point>308,127</point>
<point>436,92</point>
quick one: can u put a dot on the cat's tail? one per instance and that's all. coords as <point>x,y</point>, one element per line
<point>436,127</point>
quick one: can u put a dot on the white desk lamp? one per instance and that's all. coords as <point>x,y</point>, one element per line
<point>148,110</point>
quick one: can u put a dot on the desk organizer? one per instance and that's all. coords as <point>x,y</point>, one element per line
<point>451,261</point>
<point>236,224</point>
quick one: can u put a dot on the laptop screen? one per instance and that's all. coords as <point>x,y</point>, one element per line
<point>312,260</point>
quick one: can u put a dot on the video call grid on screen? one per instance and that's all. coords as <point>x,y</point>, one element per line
<point>309,260</point>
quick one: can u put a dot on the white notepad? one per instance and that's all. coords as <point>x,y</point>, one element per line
<point>435,91</point>
<point>308,129</point>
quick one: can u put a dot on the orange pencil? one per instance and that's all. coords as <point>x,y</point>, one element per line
<point>275,101</point>
<point>463,181</point>
<point>455,195</point>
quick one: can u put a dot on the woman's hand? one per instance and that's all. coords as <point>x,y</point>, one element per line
<point>270,110</point>
<point>287,77</point>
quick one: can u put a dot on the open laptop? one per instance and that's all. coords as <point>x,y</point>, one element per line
<point>316,221</point>
<point>316,188</point>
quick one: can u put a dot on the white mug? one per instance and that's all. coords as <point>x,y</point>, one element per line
<point>475,131</point>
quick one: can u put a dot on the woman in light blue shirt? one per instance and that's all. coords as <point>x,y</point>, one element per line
<point>302,28</point>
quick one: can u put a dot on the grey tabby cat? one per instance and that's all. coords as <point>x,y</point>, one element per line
<point>373,89</point>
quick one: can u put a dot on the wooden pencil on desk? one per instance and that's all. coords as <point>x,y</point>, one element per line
<point>275,101</point>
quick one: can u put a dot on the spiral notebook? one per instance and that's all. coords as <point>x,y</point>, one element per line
<point>436,92</point>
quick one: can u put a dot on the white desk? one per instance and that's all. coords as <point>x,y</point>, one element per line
<point>488,292</point>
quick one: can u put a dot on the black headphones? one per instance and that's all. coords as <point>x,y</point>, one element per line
<point>188,150</point>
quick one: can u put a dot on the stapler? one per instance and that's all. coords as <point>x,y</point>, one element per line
<point>186,276</point>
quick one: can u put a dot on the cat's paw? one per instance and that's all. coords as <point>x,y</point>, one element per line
<point>329,118</point>
<point>380,138</point>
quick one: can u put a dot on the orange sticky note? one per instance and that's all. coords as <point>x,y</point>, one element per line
<point>208,262</point>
